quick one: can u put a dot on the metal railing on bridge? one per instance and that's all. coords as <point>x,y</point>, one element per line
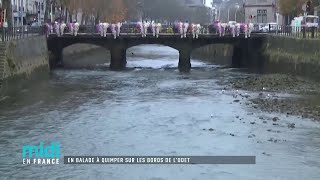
<point>26,31</point>
<point>295,31</point>
<point>130,30</point>
<point>8,34</point>
<point>289,31</point>
<point>134,30</point>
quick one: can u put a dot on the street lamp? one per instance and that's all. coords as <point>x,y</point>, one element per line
<point>21,14</point>
<point>219,11</point>
<point>141,7</point>
<point>214,12</point>
<point>53,10</point>
<point>228,14</point>
<point>237,8</point>
<point>235,16</point>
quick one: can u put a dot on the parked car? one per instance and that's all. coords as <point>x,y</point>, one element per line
<point>232,23</point>
<point>271,27</point>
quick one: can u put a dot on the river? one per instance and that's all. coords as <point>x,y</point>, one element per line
<point>152,109</point>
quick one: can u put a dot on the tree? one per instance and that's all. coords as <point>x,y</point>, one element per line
<point>47,9</point>
<point>116,12</point>
<point>8,6</point>
<point>294,7</point>
<point>134,8</point>
<point>170,10</point>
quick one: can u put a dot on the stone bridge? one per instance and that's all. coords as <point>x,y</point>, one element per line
<point>243,47</point>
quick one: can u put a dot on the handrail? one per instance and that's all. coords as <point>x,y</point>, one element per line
<point>277,30</point>
<point>304,32</point>
<point>20,32</point>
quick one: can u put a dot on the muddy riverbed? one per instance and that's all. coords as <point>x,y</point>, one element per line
<point>283,93</point>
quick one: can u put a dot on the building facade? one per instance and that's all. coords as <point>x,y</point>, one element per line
<point>26,11</point>
<point>195,3</point>
<point>261,11</point>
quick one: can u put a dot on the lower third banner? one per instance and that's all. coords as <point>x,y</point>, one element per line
<point>159,160</point>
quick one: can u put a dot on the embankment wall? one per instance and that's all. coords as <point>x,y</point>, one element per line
<point>24,60</point>
<point>272,54</point>
<point>292,55</point>
<point>25,56</point>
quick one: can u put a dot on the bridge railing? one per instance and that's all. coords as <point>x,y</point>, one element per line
<point>134,30</point>
<point>295,31</point>
<point>124,30</point>
<point>8,34</point>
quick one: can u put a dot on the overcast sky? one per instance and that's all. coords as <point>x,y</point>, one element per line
<point>208,3</point>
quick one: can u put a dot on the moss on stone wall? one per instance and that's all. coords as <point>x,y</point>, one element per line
<point>215,53</point>
<point>11,64</point>
<point>292,55</point>
<point>23,56</point>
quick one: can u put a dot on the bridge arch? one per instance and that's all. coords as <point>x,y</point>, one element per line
<point>82,55</point>
<point>214,53</point>
<point>152,56</point>
<point>57,45</point>
<point>135,44</point>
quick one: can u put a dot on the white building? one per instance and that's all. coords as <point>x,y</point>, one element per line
<point>265,11</point>
<point>30,10</point>
<point>193,3</point>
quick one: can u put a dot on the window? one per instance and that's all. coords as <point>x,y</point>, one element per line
<point>261,16</point>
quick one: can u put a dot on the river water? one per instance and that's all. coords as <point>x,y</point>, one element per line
<point>152,109</point>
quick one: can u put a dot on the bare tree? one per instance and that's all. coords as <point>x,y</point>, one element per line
<point>119,10</point>
<point>8,6</point>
